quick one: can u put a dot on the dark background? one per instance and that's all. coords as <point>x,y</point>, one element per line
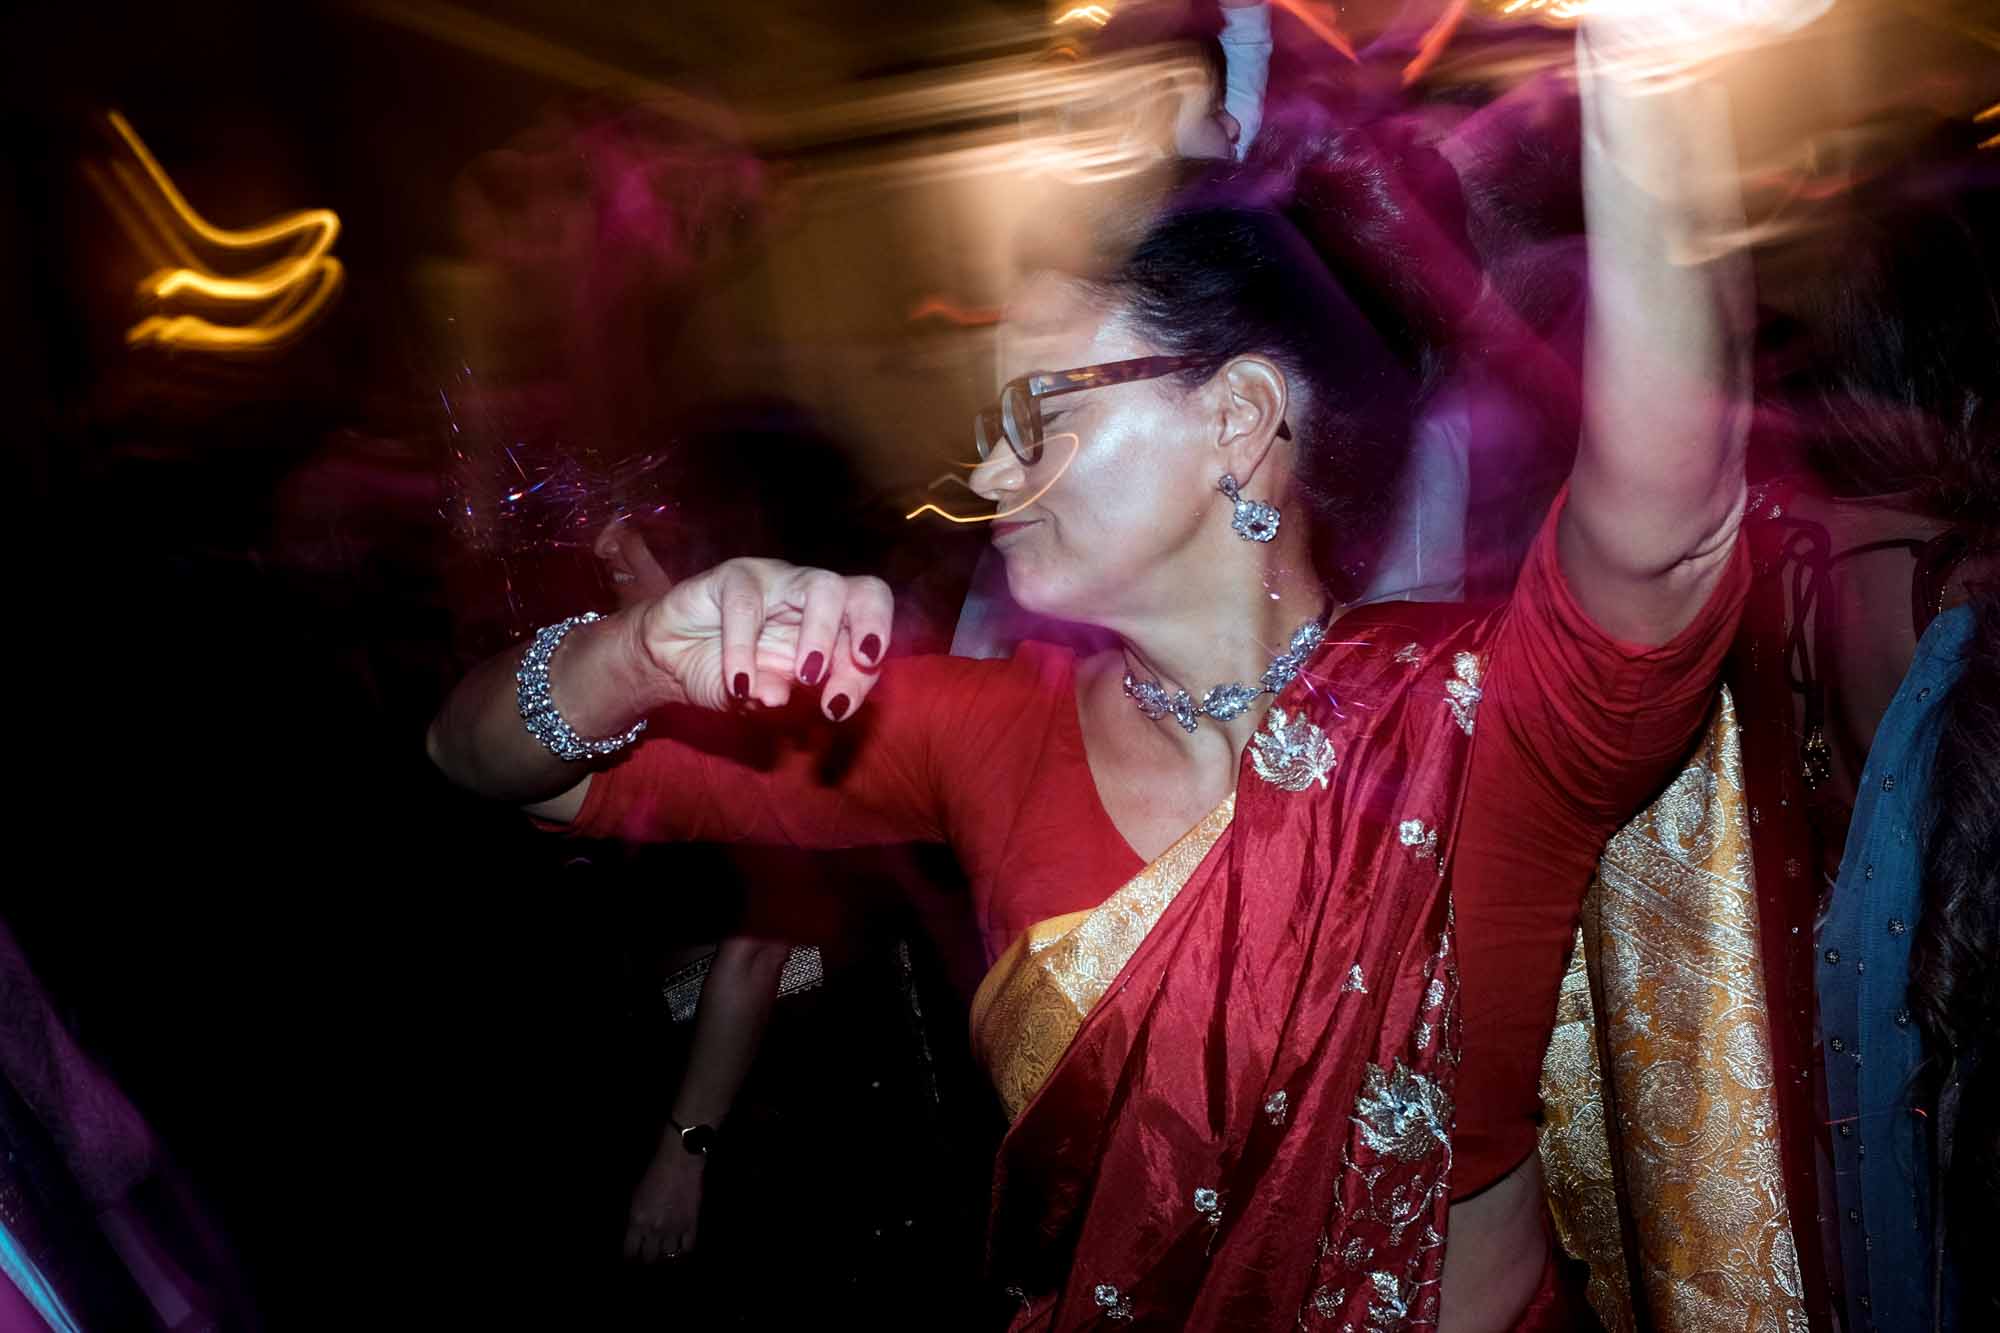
<point>363,1011</point>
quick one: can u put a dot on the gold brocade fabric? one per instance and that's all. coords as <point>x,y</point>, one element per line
<point>1680,1141</point>
<point>1036,995</point>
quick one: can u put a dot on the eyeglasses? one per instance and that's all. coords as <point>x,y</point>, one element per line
<point>1017,417</point>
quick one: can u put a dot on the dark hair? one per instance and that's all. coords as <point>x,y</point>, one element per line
<point>1294,257</point>
<point>1892,384</point>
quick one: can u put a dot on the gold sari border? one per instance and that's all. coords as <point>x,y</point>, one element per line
<point>1036,996</point>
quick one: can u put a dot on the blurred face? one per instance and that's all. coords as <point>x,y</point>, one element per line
<point>1124,489</point>
<point>635,576</point>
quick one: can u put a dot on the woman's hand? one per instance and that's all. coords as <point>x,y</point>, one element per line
<point>666,1205</point>
<point>753,629</point>
<point>745,630</point>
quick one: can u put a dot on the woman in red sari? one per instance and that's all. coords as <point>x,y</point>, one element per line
<point>1276,893</point>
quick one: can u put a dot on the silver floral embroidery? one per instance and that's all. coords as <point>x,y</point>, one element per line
<point>1402,1114</point>
<point>1422,842</point>
<point>1291,754</point>
<point>1115,1305</point>
<point>1410,654</point>
<point>1390,1304</point>
<point>1208,1203</point>
<point>1398,1171</point>
<point>1464,692</point>
<point>1327,1300</point>
<point>1276,1106</point>
<point>1355,981</point>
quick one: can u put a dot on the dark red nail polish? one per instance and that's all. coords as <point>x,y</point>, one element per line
<point>742,685</point>
<point>871,647</point>
<point>836,707</point>
<point>809,673</point>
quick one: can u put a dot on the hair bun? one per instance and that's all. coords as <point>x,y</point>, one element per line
<point>1387,215</point>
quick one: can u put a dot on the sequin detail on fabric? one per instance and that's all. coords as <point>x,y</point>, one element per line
<point>1398,1174</point>
<point>1291,753</point>
<point>1421,840</point>
<point>1114,1305</point>
<point>1401,1114</point>
<point>1463,693</point>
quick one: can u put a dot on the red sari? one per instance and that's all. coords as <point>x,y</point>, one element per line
<point>1247,1122</point>
<point>1252,1129</point>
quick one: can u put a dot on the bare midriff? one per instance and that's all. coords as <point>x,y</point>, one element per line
<point>1496,1250</point>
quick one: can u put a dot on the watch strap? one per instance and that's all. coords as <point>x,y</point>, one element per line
<point>697,1139</point>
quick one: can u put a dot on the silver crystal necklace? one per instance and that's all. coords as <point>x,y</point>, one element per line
<point>1224,702</point>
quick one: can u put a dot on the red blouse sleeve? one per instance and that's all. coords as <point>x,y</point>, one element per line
<point>804,782</point>
<point>1582,727</point>
<point>1574,732</point>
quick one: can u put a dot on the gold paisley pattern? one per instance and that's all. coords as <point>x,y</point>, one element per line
<point>1669,937</point>
<point>1035,997</point>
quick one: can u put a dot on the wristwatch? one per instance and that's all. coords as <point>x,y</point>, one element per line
<point>697,1138</point>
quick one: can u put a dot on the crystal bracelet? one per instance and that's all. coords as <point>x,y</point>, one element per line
<point>538,709</point>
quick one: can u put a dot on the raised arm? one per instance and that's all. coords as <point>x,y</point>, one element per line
<point>745,630</point>
<point>1657,493</point>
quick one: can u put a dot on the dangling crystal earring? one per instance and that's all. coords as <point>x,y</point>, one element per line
<point>1254,521</point>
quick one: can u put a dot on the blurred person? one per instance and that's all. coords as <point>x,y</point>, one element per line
<point>98,1229</point>
<point>737,991</point>
<point>1872,647</point>
<point>1233,40</point>
<point>795,1031</point>
<point>1261,1027</point>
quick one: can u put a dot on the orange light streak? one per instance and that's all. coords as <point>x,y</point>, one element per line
<point>1096,15</point>
<point>1075,443</point>
<point>296,287</point>
<point>281,324</point>
<point>1435,40</point>
<point>1560,11</point>
<point>967,317</point>
<point>161,219</point>
<point>1323,28</point>
<point>122,210</point>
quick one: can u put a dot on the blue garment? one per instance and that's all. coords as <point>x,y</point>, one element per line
<point>18,1266</point>
<point>1880,1139</point>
